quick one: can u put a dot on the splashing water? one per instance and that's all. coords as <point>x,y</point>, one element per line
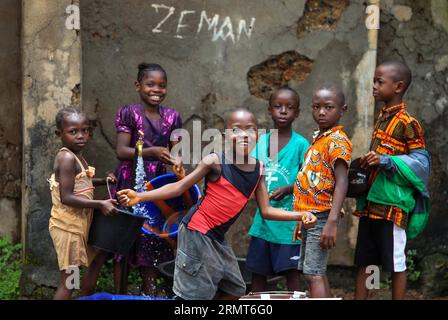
<point>140,180</point>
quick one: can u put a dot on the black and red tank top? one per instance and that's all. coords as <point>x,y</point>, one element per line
<point>223,200</point>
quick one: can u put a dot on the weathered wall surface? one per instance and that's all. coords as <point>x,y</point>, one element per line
<point>216,64</point>
<point>51,56</point>
<point>417,32</point>
<point>10,119</point>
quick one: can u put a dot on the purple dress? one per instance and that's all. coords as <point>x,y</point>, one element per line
<point>149,250</point>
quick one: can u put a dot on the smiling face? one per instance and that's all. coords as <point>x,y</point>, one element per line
<point>283,108</point>
<point>242,131</point>
<point>327,108</point>
<point>152,88</point>
<point>75,132</point>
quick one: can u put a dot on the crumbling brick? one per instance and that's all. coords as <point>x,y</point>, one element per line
<point>321,15</point>
<point>277,71</point>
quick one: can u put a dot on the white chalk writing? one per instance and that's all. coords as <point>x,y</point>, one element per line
<point>170,13</point>
<point>223,30</point>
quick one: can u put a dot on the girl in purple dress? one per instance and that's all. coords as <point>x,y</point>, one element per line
<point>157,123</point>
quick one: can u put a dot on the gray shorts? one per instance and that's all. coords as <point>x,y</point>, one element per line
<point>313,260</point>
<point>203,266</point>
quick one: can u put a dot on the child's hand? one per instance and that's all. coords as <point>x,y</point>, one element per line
<point>163,154</point>
<point>371,159</point>
<point>328,236</point>
<point>108,207</point>
<point>178,168</point>
<point>309,220</point>
<point>297,235</point>
<point>280,193</point>
<point>128,198</point>
<point>111,178</point>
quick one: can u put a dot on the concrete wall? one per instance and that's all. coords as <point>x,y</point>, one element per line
<point>10,119</point>
<point>417,32</point>
<point>51,56</point>
<point>211,70</point>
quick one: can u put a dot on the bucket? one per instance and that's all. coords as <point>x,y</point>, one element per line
<point>281,295</point>
<point>166,215</point>
<point>275,295</point>
<point>115,234</point>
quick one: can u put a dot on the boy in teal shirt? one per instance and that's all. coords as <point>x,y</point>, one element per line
<point>272,250</point>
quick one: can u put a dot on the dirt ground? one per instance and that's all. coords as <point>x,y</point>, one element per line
<point>384,294</point>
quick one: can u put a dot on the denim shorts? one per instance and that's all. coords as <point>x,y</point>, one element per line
<point>313,259</point>
<point>203,266</point>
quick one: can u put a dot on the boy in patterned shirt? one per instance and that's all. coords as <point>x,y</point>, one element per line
<point>382,228</point>
<point>321,187</point>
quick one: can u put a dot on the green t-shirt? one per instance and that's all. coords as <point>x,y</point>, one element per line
<point>280,172</point>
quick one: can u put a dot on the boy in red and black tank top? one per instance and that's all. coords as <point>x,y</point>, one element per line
<point>205,263</point>
<point>224,199</point>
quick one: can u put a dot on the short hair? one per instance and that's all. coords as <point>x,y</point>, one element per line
<point>402,72</point>
<point>146,67</point>
<point>64,113</point>
<point>285,88</point>
<point>335,89</point>
<point>239,109</point>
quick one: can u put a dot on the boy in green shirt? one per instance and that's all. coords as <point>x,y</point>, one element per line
<point>272,250</point>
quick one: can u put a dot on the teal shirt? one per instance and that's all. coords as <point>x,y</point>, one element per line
<point>280,172</point>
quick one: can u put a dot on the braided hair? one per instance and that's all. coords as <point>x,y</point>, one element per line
<point>146,67</point>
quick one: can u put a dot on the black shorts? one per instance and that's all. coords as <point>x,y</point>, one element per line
<point>380,242</point>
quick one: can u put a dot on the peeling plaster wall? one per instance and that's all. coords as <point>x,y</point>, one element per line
<point>302,43</point>
<point>51,59</point>
<point>10,120</point>
<point>417,32</point>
